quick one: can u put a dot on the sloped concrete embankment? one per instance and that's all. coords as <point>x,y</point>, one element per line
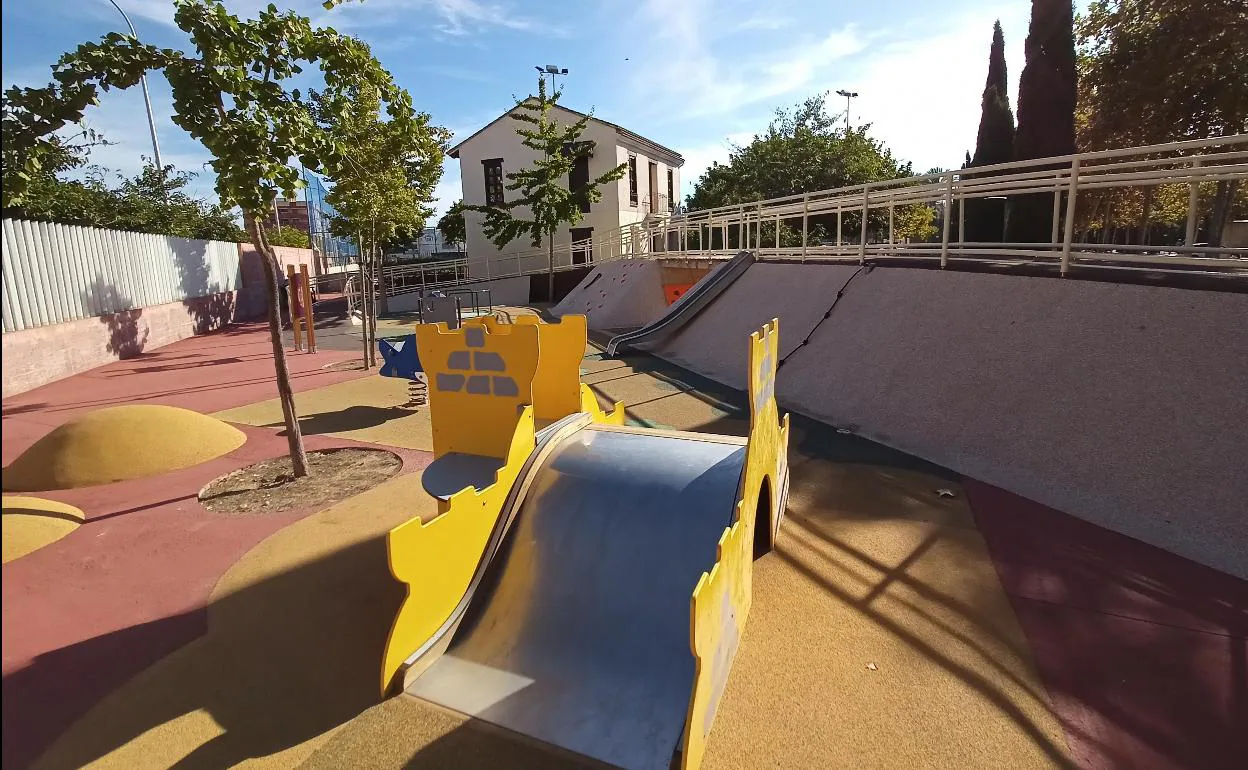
<point>1122,404</point>
<point>620,294</point>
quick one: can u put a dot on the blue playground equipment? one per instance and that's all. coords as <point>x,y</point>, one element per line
<point>399,359</point>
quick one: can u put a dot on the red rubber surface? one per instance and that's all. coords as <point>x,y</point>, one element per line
<point>1144,653</point>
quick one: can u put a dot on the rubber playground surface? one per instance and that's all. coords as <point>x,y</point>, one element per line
<point>907,617</point>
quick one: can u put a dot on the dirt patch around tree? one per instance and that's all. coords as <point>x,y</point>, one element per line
<point>271,487</point>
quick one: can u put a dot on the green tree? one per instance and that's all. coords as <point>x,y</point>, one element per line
<point>154,201</point>
<point>452,224</point>
<point>985,218</point>
<point>287,236</point>
<point>804,149</point>
<point>1046,112</point>
<point>1155,72</point>
<point>236,95</point>
<point>543,187</point>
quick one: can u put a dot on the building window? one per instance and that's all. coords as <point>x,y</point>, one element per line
<point>671,190</point>
<point>582,245</point>
<point>493,181</point>
<point>632,179</point>
<point>578,177</point>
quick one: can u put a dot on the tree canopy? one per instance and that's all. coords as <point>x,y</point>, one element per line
<point>153,201</point>
<point>1154,72</point>
<point>544,189</point>
<point>452,225</point>
<point>985,218</point>
<point>1046,111</point>
<point>384,186</point>
<point>805,148</point>
<point>237,94</point>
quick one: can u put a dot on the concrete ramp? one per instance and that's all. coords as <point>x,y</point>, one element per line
<point>686,307</point>
<point>579,633</point>
<point>620,294</point>
<point>1121,404</point>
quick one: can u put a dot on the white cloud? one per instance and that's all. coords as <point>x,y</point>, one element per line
<point>764,21</point>
<point>448,190</point>
<point>698,158</point>
<point>699,81</point>
<point>921,92</point>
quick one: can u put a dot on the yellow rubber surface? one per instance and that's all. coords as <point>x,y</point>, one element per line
<point>30,523</point>
<point>366,409</point>
<point>294,642</point>
<point>119,443</point>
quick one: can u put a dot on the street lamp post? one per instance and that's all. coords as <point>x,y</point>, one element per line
<point>551,70</point>
<point>848,95</point>
<point>147,99</point>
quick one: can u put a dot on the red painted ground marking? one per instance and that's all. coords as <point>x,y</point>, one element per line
<point>1144,653</point>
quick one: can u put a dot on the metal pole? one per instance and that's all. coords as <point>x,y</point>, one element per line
<point>944,237</point>
<point>1057,207</point>
<point>1071,197</point>
<point>838,229</point>
<point>805,219</point>
<point>147,98</point>
<point>1193,200</point>
<point>890,223</point>
<point>777,233</point>
<point>862,239</point>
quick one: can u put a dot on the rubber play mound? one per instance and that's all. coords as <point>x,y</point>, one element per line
<point>120,443</point>
<point>30,523</point>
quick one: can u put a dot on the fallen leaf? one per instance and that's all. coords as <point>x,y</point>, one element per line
<point>872,667</point>
<point>946,493</point>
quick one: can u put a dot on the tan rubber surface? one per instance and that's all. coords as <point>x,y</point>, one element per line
<point>873,569</point>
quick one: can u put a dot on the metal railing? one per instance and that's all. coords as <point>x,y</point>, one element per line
<point>863,221</point>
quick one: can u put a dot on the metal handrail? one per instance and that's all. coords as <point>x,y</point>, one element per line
<point>735,227</point>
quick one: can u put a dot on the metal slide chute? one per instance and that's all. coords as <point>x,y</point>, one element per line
<point>592,592</point>
<point>686,306</point>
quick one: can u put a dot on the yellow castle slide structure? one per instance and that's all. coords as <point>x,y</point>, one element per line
<point>585,583</point>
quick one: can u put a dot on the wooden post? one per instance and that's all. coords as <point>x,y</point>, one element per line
<point>293,302</point>
<point>307,308</point>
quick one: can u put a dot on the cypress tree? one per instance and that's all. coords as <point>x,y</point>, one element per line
<point>1046,111</point>
<point>985,218</point>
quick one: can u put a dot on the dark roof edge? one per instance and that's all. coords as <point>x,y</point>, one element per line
<point>664,153</point>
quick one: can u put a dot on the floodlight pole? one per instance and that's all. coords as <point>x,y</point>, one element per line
<point>147,99</point>
<point>848,95</point>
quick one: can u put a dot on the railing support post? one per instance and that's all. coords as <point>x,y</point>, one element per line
<point>1057,207</point>
<point>862,241</point>
<point>838,229</point>
<point>805,221</point>
<point>777,234</point>
<point>944,235</point>
<point>890,223</point>
<point>1071,199</point>
<point>1193,200</point>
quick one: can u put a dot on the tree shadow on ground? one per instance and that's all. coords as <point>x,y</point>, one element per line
<point>126,338</point>
<point>352,418</point>
<point>284,660</point>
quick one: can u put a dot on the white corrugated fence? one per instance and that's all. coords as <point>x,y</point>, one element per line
<point>55,273</point>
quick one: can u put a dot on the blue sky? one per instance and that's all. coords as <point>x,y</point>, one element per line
<point>693,75</point>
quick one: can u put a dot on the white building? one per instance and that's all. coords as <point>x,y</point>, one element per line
<point>651,187</point>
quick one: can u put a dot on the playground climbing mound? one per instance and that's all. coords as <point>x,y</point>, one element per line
<point>30,523</point>
<point>120,443</point>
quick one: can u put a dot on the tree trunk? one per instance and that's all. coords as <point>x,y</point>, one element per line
<point>294,436</point>
<point>1146,213</point>
<point>359,244</point>
<point>1221,210</point>
<point>374,285</point>
<point>550,267</point>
